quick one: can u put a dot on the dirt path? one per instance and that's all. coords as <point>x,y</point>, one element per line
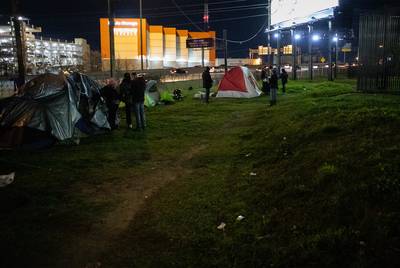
<point>134,192</point>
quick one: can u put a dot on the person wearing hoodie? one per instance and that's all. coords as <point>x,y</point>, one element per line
<point>126,96</point>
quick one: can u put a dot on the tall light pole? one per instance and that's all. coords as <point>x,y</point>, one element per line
<point>330,75</point>
<point>226,50</point>
<point>294,53</point>
<point>278,44</point>
<point>111,24</point>
<point>336,40</point>
<point>310,57</point>
<point>206,17</point>
<point>141,34</point>
<point>270,56</point>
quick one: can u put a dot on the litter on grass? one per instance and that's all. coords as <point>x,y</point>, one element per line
<point>221,226</point>
<point>240,218</point>
<point>6,179</point>
<point>253,174</point>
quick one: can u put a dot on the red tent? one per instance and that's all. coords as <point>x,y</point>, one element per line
<point>239,82</point>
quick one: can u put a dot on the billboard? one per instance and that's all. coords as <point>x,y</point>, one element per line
<point>286,13</point>
<point>200,43</point>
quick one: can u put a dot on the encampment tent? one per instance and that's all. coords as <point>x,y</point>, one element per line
<point>239,82</point>
<point>152,95</point>
<point>52,107</point>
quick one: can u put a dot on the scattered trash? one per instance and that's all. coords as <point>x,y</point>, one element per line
<point>221,226</point>
<point>240,218</point>
<point>263,237</point>
<point>362,243</point>
<point>284,138</point>
<point>6,179</point>
<point>253,174</point>
<point>248,155</point>
<point>145,197</point>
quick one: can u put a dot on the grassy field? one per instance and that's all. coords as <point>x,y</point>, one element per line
<point>316,179</point>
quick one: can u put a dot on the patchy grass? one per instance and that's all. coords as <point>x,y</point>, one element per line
<point>316,178</point>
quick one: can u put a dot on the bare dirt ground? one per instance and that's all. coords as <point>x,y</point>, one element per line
<point>84,250</point>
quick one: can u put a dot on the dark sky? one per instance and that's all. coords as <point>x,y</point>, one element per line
<point>80,18</point>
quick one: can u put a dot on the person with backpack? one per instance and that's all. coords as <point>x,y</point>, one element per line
<point>126,96</point>
<point>207,83</point>
<point>284,79</point>
<point>273,81</point>
<point>138,97</point>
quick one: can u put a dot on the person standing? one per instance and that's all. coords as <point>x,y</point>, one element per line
<point>138,89</point>
<point>273,81</point>
<point>264,79</point>
<point>126,96</point>
<point>207,83</point>
<point>284,79</point>
<point>111,97</point>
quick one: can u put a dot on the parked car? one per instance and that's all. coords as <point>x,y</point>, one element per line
<point>178,71</point>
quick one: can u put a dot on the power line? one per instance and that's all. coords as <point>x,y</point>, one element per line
<point>221,20</point>
<point>187,17</point>
<point>229,41</point>
<point>249,39</point>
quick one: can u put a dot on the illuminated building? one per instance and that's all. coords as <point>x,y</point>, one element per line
<point>163,47</point>
<point>42,54</point>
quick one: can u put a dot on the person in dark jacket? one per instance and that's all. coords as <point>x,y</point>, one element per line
<point>207,83</point>
<point>265,82</point>
<point>273,81</point>
<point>111,96</point>
<point>264,79</point>
<point>126,96</point>
<point>138,89</point>
<point>284,79</point>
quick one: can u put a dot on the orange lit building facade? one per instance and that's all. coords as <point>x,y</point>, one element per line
<point>163,47</point>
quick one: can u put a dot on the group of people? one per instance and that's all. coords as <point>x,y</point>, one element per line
<point>131,91</point>
<point>270,80</point>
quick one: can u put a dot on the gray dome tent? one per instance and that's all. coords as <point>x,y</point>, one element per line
<point>52,107</point>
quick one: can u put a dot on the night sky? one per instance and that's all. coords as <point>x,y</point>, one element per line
<point>80,18</point>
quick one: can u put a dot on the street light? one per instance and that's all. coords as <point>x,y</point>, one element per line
<point>336,40</point>
<point>316,37</point>
<point>297,36</point>
<point>276,35</point>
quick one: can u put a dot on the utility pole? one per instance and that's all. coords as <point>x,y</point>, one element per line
<point>336,55</point>
<point>270,55</point>
<point>310,56</point>
<point>330,75</point>
<point>19,31</point>
<point>111,24</point>
<point>278,44</point>
<point>225,35</point>
<point>141,34</point>
<point>205,21</point>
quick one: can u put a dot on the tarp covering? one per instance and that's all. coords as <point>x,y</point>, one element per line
<point>239,82</point>
<point>53,106</point>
